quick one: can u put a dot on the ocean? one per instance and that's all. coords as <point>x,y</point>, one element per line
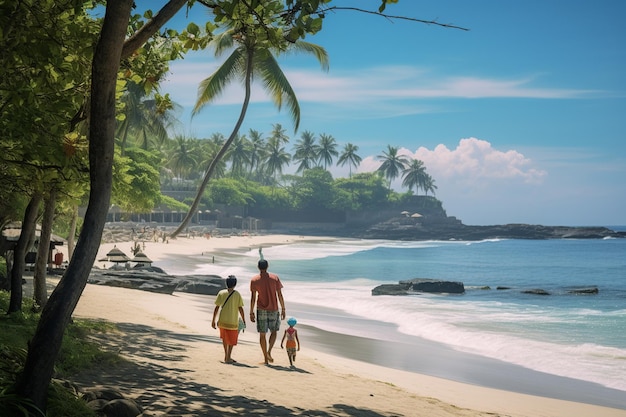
<point>575,336</point>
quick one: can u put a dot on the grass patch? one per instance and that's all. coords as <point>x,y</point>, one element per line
<point>78,352</point>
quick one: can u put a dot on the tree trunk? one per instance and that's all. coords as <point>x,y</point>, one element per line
<point>44,347</point>
<point>43,249</point>
<point>207,176</point>
<point>19,254</point>
<point>71,235</point>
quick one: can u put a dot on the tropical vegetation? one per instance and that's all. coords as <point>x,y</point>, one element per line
<point>84,124</point>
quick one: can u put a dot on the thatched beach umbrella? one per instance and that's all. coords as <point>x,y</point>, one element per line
<point>141,258</point>
<point>416,215</point>
<point>116,256</point>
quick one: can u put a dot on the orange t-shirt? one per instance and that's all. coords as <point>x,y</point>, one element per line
<point>266,285</point>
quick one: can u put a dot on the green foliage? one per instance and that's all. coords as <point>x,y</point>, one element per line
<point>229,191</point>
<point>172,203</point>
<point>136,186</point>
<point>77,353</point>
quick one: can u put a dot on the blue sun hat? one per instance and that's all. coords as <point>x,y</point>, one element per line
<point>292,321</point>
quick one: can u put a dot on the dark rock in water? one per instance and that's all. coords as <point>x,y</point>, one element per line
<point>589,290</point>
<point>502,288</point>
<point>536,291</point>
<point>435,286</point>
<point>391,289</point>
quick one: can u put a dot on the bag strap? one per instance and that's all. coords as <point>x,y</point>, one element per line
<point>231,293</point>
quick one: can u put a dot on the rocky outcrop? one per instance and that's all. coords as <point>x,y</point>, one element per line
<point>391,289</point>
<point>201,284</point>
<point>420,285</point>
<point>435,286</point>
<point>450,228</point>
<point>587,290</point>
<point>150,279</point>
<point>536,291</point>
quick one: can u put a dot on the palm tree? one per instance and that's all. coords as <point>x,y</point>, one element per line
<point>306,152</point>
<point>392,164</point>
<point>277,158</point>
<point>146,118</point>
<point>429,185</point>
<point>182,156</point>
<point>414,175</point>
<point>257,149</point>
<point>252,54</point>
<point>349,156</point>
<point>239,155</point>
<point>327,149</point>
<point>278,133</point>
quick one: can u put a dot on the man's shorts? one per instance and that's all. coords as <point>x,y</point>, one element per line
<point>267,321</point>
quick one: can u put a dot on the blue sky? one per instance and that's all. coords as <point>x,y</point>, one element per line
<point>521,119</point>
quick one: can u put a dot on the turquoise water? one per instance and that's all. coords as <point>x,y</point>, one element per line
<point>577,336</point>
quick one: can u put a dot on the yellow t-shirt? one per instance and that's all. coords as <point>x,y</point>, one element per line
<point>229,313</point>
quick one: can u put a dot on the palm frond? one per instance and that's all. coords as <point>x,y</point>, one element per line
<point>223,41</point>
<point>318,51</point>
<point>212,87</point>
<point>277,86</point>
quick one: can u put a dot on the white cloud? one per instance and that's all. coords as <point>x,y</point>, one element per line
<point>382,91</point>
<point>473,161</point>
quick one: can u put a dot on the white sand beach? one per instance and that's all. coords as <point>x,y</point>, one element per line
<point>176,361</point>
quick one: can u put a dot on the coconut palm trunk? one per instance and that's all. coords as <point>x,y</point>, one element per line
<point>207,175</point>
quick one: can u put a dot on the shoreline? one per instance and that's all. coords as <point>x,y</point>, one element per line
<point>326,353</point>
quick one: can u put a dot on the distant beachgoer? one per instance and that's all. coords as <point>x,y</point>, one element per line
<point>293,342</point>
<point>231,303</point>
<point>266,294</point>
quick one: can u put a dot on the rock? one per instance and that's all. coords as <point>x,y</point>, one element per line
<point>107,394</point>
<point>502,288</point>
<point>121,407</point>
<point>590,290</point>
<point>391,289</point>
<point>205,284</point>
<point>536,291</point>
<point>435,286</point>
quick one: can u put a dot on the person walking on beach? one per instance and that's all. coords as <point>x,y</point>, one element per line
<point>266,294</point>
<point>291,334</point>
<point>231,303</point>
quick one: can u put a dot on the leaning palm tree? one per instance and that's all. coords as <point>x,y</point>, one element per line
<point>305,151</point>
<point>392,164</point>
<point>349,156</point>
<point>327,149</point>
<point>252,55</point>
<point>414,175</point>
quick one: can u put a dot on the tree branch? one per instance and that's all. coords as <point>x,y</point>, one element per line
<point>393,17</point>
<point>142,35</point>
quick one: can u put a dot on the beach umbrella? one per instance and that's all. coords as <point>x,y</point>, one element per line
<point>415,215</point>
<point>117,256</point>
<point>405,213</point>
<point>141,257</point>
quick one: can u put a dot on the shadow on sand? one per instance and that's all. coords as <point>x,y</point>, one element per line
<point>163,389</point>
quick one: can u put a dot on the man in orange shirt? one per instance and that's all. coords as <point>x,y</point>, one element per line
<point>266,294</point>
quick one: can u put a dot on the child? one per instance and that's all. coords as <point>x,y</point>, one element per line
<point>231,302</point>
<point>291,335</point>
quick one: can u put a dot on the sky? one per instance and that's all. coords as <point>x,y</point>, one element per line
<point>520,119</point>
